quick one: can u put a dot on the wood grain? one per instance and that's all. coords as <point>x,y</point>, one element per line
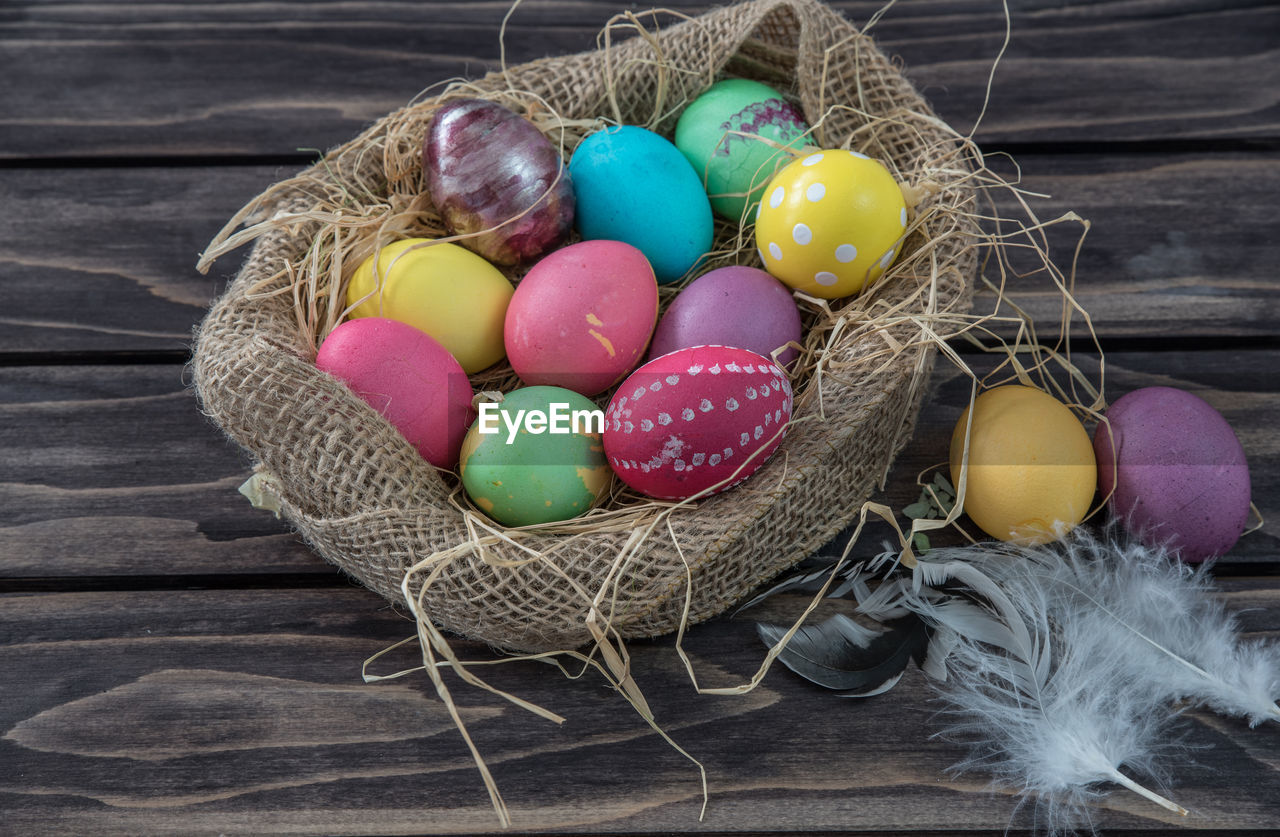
<point>201,712</point>
<point>1163,255</point>
<point>114,471</point>
<point>268,78</point>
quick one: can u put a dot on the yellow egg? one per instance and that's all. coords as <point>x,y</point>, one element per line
<point>445,290</point>
<point>1032,472</point>
<point>830,222</point>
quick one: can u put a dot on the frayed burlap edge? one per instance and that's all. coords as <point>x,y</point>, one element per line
<point>364,499</point>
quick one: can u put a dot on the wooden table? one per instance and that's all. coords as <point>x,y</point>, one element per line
<point>175,661</point>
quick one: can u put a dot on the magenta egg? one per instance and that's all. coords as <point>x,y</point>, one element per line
<point>1175,471</point>
<point>731,306</point>
<point>408,377</point>
<point>698,420</point>
<point>582,317</point>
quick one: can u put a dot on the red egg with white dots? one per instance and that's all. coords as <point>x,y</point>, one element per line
<point>696,421</point>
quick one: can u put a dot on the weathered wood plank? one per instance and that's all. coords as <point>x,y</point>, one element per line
<point>1240,385</point>
<point>113,470</point>
<point>208,712</point>
<point>1165,253</point>
<point>267,78</point>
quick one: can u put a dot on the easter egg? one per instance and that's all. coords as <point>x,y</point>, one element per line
<point>633,185</point>
<point>1032,473</point>
<point>718,133</point>
<point>582,316</point>
<point>445,290</point>
<point>497,180</point>
<point>406,376</point>
<point>536,457</point>
<point>1174,470</point>
<point>731,306</point>
<point>830,223</point>
<point>700,419</point>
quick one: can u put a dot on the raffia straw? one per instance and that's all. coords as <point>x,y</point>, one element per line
<point>354,222</point>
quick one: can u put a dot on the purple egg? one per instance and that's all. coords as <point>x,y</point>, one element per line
<point>743,307</point>
<point>1178,471</point>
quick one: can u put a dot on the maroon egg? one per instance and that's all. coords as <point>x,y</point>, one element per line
<point>731,306</point>
<point>486,165</point>
<point>1175,471</point>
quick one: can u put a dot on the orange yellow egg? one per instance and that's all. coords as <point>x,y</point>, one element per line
<point>1031,473</point>
<point>831,222</point>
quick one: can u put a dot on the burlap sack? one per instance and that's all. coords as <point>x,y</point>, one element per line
<point>364,499</point>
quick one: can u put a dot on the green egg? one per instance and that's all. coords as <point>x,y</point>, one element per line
<point>736,168</point>
<point>536,457</point>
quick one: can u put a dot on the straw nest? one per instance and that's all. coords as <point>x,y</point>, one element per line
<point>365,500</point>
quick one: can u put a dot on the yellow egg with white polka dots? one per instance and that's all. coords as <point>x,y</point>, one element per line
<point>831,222</point>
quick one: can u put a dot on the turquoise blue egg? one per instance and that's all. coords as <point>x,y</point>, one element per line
<point>635,186</point>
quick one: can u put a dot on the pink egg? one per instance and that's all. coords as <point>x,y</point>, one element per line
<point>408,377</point>
<point>731,306</point>
<point>702,418</point>
<point>582,317</point>
<point>1177,469</point>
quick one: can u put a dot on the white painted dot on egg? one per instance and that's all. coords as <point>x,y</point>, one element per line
<point>728,452</point>
<point>715,370</point>
<point>628,427</point>
<point>731,404</point>
<point>698,459</point>
<point>887,260</point>
<point>706,405</point>
<point>746,438</point>
<point>846,253</point>
<point>815,192</point>
<point>655,386</point>
<point>759,431</point>
<point>759,206</point>
<point>760,253</point>
<point>902,216</point>
<point>776,197</point>
<point>801,234</point>
<point>714,460</point>
<point>664,419</point>
<point>695,369</point>
<point>825,277</point>
<point>812,159</point>
<point>775,251</point>
<point>860,155</point>
<point>679,464</point>
<point>646,425</point>
<point>673,379</point>
<point>687,414</point>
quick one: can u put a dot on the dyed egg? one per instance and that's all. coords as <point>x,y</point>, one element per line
<point>407,377</point>
<point>582,316</point>
<point>700,419</point>
<point>731,306</point>
<point>445,290</point>
<point>633,185</point>
<point>496,179</point>
<point>735,168</point>
<point>1175,471</point>
<point>536,457</point>
<point>1032,473</point>
<point>830,223</point>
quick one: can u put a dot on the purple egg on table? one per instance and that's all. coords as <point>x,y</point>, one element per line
<point>1178,471</point>
<point>736,306</point>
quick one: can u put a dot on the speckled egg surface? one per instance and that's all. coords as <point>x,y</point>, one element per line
<point>830,223</point>
<point>538,465</point>
<point>722,134</point>
<point>700,419</point>
<point>1178,471</point>
<point>582,317</point>
<point>633,185</point>
<point>731,306</point>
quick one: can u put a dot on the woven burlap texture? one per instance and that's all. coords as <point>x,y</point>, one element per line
<point>361,496</point>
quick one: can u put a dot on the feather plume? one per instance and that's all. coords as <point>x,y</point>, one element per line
<point>1048,703</point>
<point>1160,609</point>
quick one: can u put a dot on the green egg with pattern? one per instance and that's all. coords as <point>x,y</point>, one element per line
<point>734,135</point>
<point>536,457</point>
